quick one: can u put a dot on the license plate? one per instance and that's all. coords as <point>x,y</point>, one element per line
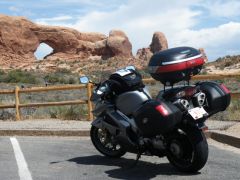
<point>197,113</point>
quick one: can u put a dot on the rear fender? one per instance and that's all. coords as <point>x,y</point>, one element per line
<point>192,128</point>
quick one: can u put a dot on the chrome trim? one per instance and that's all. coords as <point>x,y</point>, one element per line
<point>181,60</point>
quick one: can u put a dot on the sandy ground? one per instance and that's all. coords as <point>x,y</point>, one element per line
<point>234,130</point>
<point>228,70</point>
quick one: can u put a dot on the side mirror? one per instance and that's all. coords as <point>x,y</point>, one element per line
<point>84,80</point>
<point>130,68</point>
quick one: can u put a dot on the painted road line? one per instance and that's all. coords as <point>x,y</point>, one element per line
<point>23,170</point>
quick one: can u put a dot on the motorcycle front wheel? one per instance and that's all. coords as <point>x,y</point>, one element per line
<point>105,143</point>
<point>188,149</point>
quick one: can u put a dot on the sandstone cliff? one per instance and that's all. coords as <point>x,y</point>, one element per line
<point>19,39</point>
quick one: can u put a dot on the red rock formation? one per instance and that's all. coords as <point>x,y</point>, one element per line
<point>119,44</point>
<point>203,54</point>
<point>144,54</point>
<point>159,43</point>
<point>19,39</point>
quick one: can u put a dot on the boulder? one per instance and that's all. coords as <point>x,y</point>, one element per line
<point>144,54</point>
<point>159,42</point>
<point>119,44</point>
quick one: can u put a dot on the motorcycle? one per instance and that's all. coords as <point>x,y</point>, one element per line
<point>128,119</point>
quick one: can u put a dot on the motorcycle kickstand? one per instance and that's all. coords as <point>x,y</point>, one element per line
<point>137,158</point>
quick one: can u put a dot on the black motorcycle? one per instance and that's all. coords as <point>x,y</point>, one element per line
<point>128,119</point>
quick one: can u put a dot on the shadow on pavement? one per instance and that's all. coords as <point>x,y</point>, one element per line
<point>127,170</point>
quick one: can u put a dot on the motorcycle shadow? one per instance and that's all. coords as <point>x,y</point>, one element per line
<point>128,169</point>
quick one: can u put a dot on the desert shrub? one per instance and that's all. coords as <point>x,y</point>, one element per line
<point>1,72</point>
<point>63,80</point>
<point>74,112</point>
<point>71,80</point>
<point>52,78</point>
<point>60,78</point>
<point>233,110</point>
<point>63,70</point>
<point>18,76</point>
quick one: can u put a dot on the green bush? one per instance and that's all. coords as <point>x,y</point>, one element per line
<point>55,78</point>
<point>74,112</point>
<point>52,78</point>
<point>71,80</point>
<point>18,76</point>
<point>63,70</point>
<point>233,110</point>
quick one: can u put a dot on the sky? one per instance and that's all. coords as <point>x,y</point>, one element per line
<point>210,24</point>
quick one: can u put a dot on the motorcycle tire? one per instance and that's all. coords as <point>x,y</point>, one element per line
<point>188,150</point>
<point>108,148</point>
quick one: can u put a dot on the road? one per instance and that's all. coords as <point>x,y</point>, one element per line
<point>73,158</point>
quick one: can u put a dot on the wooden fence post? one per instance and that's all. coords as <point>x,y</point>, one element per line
<point>90,108</point>
<point>17,103</point>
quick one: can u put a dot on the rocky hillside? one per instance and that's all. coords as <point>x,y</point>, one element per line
<point>72,50</point>
<point>224,65</point>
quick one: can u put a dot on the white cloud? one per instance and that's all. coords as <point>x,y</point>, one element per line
<point>14,9</point>
<point>177,19</point>
<point>228,9</point>
<point>217,41</point>
<point>139,19</point>
<point>54,20</point>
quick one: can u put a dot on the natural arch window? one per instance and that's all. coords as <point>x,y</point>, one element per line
<point>42,51</point>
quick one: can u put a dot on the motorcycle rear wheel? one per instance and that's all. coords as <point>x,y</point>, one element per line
<point>104,142</point>
<point>188,150</point>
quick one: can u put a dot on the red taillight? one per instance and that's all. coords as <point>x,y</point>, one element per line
<point>160,108</point>
<point>190,91</point>
<point>225,89</point>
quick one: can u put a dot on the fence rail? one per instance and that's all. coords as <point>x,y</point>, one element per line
<point>89,88</point>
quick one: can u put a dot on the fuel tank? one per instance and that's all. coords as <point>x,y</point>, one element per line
<point>129,102</point>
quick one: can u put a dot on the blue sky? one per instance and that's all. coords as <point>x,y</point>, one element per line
<point>211,24</point>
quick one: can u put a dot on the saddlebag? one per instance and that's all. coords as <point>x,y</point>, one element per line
<point>217,96</point>
<point>154,118</point>
<point>174,65</point>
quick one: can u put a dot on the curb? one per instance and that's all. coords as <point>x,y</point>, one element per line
<point>43,133</point>
<point>56,133</point>
<point>226,139</point>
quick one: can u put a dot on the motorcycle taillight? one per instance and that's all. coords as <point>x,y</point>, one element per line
<point>188,92</point>
<point>163,111</point>
<point>225,89</point>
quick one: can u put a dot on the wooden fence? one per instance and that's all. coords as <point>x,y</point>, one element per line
<point>89,88</point>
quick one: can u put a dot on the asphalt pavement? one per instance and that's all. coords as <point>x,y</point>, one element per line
<point>73,158</point>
